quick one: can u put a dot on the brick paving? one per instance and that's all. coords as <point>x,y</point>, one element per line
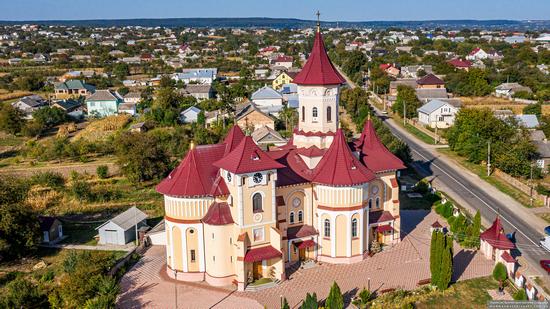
<point>401,266</point>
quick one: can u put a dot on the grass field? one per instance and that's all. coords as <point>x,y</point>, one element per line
<point>472,292</point>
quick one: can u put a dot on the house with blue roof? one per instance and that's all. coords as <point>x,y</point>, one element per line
<point>268,100</point>
<point>199,76</point>
<point>438,113</point>
<point>73,88</point>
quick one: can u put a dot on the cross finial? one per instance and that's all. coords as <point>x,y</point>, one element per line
<point>318,21</point>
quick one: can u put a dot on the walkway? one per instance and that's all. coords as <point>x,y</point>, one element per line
<point>402,266</point>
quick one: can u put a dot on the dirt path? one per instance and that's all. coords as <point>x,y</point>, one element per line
<point>64,169</point>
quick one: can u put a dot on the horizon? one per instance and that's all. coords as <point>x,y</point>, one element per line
<point>344,10</point>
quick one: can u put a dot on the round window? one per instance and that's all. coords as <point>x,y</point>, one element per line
<point>296,202</point>
<point>228,177</point>
<point>191,231</point>
<point>258,177</point>
<point>374,189</point>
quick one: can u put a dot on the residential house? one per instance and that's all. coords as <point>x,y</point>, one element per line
<point>438,114</point>
<point>72,108</point>
<point>508,90</point>
<point>543,148</point>
<point>460,64</point>
<point>261,73</point>
<point>127,108</point>
<point>427,94</point>
<point>284,77</point>
<point>266,136</point>
<point>496,246</point>
<point>73,88</point>
<point>412,71</point>
<point>430,81</point>
<point>527,121</point>
<point>268,100</point>
<point>515,39</point>
<point>29,104</point>
<point>190,115</point>
<point>122,229</point>
<point>132,97</point>
<point>103,103</point>
<point>201,76</point>
<point>250,117</point>
<point>51,228</point>
<point>198,91</point>
<point>390,69</point>
<point>283,61</point>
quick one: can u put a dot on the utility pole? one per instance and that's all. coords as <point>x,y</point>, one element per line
<point>175,288</point>
<point>531,185</point>
<point>135,225</point>
<point>489,158</point>
<point>404,113</point>
<point>435,137</point>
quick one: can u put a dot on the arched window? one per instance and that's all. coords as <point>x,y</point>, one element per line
<point>300,216</point>
<point>303,113</point>
<point>354,227</point>
<point>314,112</point>
<point>257,203</point>
<point>329,114</point>
<point>370,203</point>
<point>327,228</point>
<point>377,202</point>
<point>291,217</point>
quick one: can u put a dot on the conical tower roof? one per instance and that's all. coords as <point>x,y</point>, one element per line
<point>233,138</point>
<point>247,157</point>
<point>339,167</point>
<point>319,70</point>
<point>374,154</point>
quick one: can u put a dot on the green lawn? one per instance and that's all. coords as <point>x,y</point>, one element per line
<point>419,134</point>
<point>481,171</point>
<point>80,233</point>
<point>471,292</point>
<point>261,281</point>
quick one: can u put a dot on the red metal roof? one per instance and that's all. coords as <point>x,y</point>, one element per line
<point>301,231</point>
<point>384,228</point>
<point>436,224</point>
<point>507,257</point>
<point>261,254</point>
<point>380,216</point>
<point>374,154</point>
<point>318,69</point>
<point>460,63</point>
<point>233,138</point>
<point>339,167</point>
<point>195,175</point>
<point>218,214</point>
<point>430,79</point>
<point>311,133</point>
<point>312,151</point>
<point>495,236</point>
<point>305,244</point>
<point>247,157</point>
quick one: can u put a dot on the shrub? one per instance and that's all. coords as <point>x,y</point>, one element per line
<point>102,171</point>
<point>48,179</point>
<point>334,300</point>
<point>520,295</point>
<point>500,273</point>
<point>21,293</point>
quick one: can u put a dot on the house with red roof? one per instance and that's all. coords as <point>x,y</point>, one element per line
<point>460,64</point>
<point>390,69</point>
<point>496,246</point>
<point>235,213</point>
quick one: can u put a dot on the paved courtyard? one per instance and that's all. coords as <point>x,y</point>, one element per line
<point>399,267</point>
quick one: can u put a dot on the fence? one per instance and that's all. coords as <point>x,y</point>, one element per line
<point>523,187</point>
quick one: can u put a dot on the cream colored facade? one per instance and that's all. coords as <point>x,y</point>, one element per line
<point>303,221</point>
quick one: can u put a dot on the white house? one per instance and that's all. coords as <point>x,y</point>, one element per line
<point>201,76</point>
<point>477,54</point>
<point>509,89</point>
<point>122,229</point>
<point>30,104</point>
<point>267,99</point>
<point>190,115</point>
<point>437,113</point>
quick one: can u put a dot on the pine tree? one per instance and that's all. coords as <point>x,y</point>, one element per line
<point>285,304</point>
<point>310,302</point>
<point>434,259</point>
<point>500,273</point>
<point>446,272</point>
<point>335,300</point>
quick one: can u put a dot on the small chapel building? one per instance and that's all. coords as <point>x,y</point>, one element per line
<point>235,213</point>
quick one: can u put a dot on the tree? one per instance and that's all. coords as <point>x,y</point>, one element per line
<point>121,70</point>
<point>334,300</point>
<point>11,119</point>
<point>446,272</point>
<point>406,102</point>
<point>435,257</point>
<point>102,171</point>
<point>140,157</point>
<point>310,302</point>
<point>285,305</point>
<point>500,273</point>
<point>21,293</point>
<point>520,295</point>
<point>49,116</point>
<point>363,299</point>
<point>19,230</point>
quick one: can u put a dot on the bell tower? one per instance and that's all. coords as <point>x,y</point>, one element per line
<point>318,94</point>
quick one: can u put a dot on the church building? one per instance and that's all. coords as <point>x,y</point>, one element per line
<point>235,213</point>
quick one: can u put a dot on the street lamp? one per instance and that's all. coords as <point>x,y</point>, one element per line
<point>489,158</point>
<point>175,288</point>
<point>404,113</point>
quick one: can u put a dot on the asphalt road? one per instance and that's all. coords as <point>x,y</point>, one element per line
<point>527,236</point>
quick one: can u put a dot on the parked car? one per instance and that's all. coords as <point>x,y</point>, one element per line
<point>547,230</point>
<point>545,264</point>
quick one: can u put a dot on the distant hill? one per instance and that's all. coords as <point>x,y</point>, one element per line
<point>258,22</point>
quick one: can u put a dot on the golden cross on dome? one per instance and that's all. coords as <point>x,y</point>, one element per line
<point>318,21</point>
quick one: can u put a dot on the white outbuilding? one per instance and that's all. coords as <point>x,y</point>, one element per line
<point>122,229</point>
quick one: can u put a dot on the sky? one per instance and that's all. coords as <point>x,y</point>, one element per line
<point>331,10</point>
